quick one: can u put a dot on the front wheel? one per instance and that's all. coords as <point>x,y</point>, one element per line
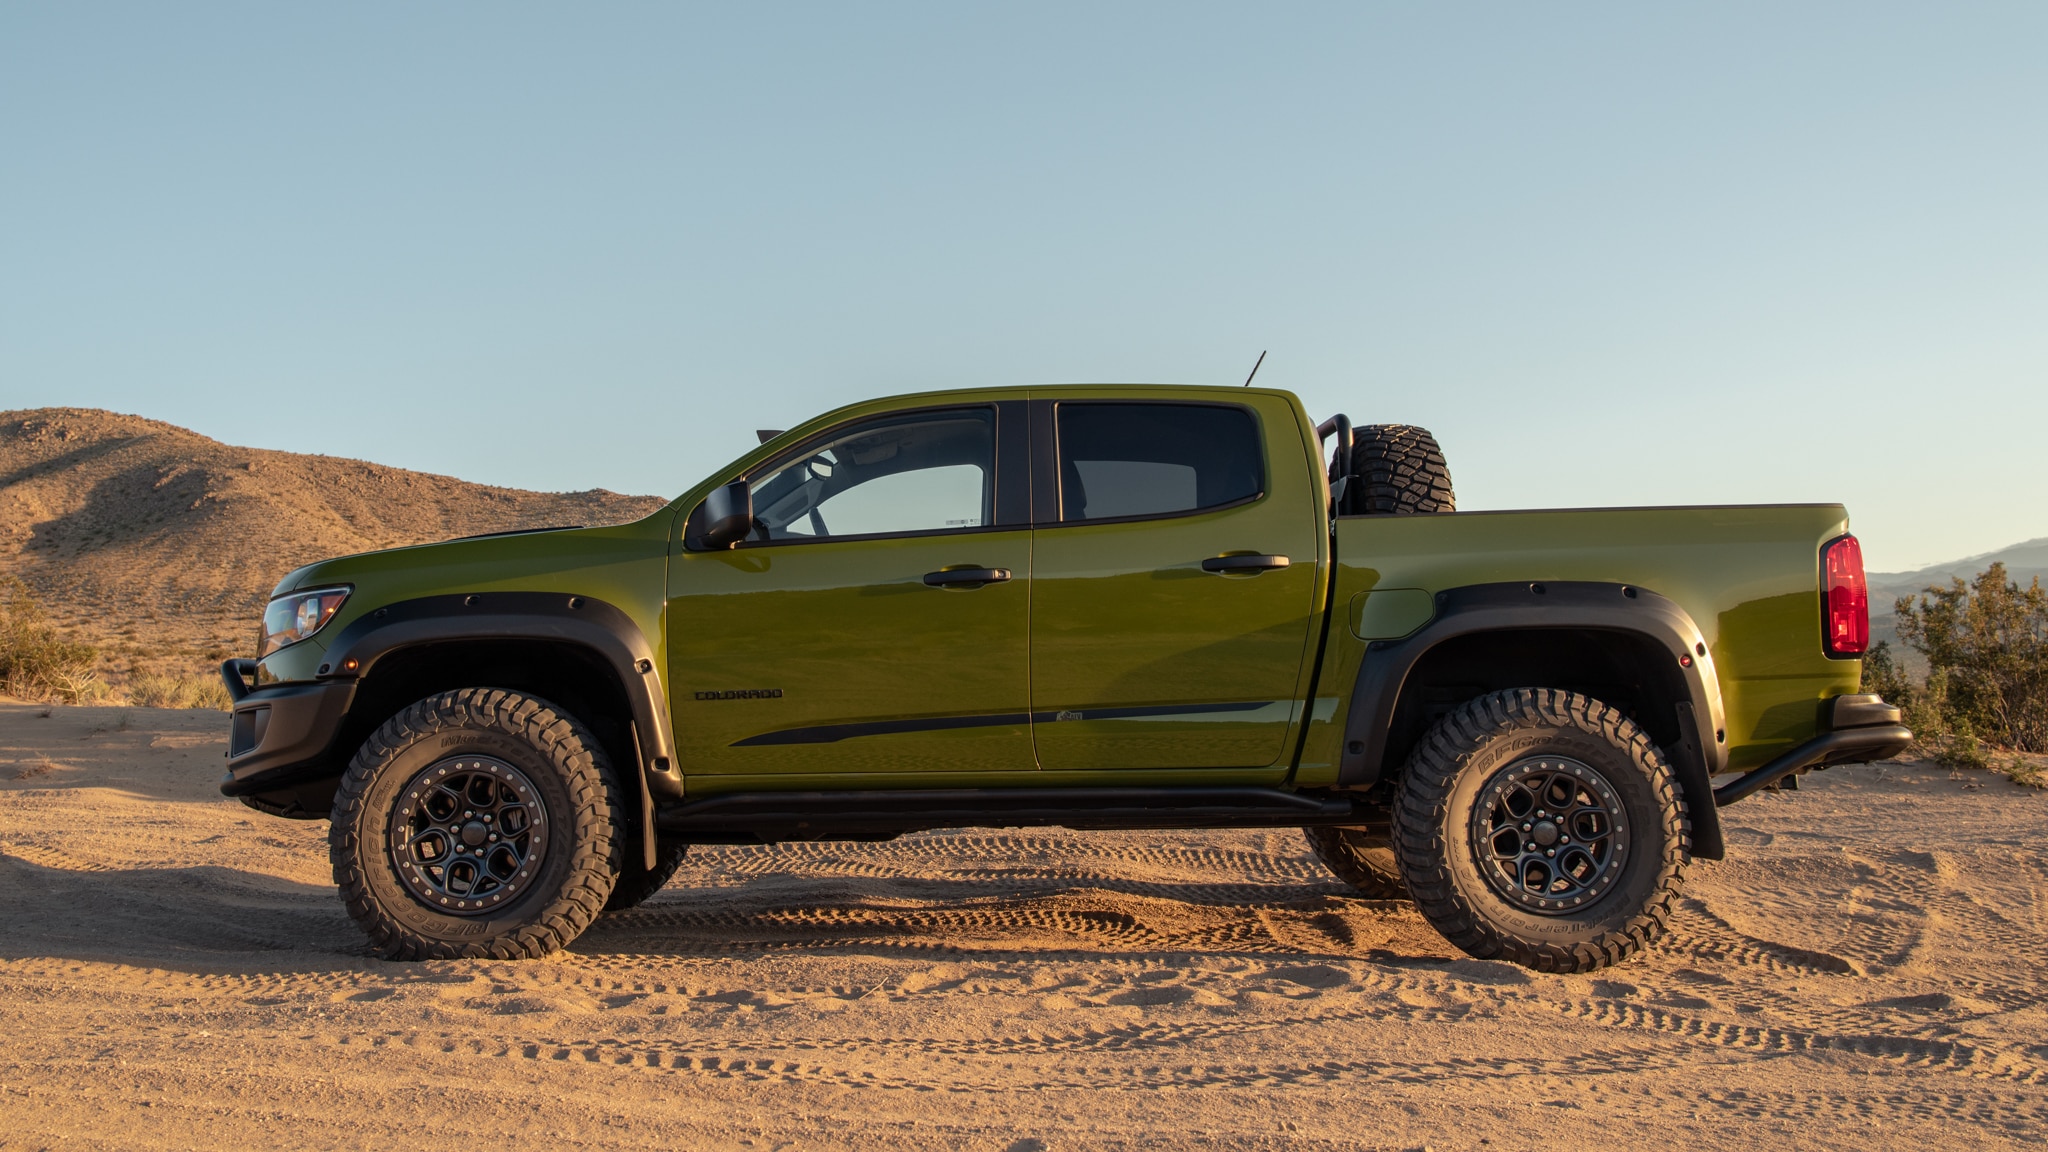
<point>1542,827</point>
<point>477,823</point>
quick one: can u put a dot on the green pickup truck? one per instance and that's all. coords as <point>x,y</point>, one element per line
<point>1084,606</point>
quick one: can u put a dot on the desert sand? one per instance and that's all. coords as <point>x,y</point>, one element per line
<point>175,971</point>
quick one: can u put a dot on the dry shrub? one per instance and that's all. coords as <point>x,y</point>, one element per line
<point>151,690</point>
<point>35,662</point>
<point>1986,645</point>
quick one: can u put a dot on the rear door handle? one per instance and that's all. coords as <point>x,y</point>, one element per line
<point>1244,565</point>
<point>971,577</point>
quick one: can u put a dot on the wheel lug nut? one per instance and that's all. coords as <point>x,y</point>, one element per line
<point>1550,852</point>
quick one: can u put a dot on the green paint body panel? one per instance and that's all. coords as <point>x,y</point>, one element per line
<point>1116,616</point>
<point>1124,618</point>
<point>1390,613</point>
<point>848,632</point>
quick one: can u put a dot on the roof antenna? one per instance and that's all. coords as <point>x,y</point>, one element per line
<point>1255,369</point>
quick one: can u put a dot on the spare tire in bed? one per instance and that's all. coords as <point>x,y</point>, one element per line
<point>1396,469</point>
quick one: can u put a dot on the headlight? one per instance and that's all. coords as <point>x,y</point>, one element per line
<point>291,618</point>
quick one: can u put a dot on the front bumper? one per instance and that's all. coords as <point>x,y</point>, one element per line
<point>282,735</point>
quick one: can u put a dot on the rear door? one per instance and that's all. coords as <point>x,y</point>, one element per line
<point>877,621</point>
<point>1173,582</point>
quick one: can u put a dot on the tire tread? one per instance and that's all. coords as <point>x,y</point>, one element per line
<point>1398,469</point>
<point>594,817</point>
<point>1343,852</point>
<point>1421,816</point>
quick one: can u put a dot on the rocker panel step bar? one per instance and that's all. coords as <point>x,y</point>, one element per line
<point>748,817</point>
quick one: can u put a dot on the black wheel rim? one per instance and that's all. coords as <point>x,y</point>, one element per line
<point>1549,834</point>
<point>468,835</point>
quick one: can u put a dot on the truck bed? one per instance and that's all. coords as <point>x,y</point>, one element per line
<point>1747,574</point>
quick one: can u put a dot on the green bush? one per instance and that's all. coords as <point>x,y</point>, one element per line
<point>151,690</point>
<point>36,663</point>
<point>1986,645</point>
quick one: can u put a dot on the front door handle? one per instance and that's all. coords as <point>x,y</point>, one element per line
<point>1240,565</point>
<point>966,577</point>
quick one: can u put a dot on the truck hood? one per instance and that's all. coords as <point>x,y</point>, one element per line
<point>494,560</point>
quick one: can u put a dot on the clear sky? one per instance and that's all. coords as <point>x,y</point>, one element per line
<point>1610,253</point>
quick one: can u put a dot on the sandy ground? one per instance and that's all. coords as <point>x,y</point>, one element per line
<point>175,971</point>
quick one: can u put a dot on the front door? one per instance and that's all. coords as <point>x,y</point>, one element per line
<point>1165,632</point>
<point>876,623</point>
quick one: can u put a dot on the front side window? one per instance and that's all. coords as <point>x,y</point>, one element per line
<point>919,472</point>
<point>1119,460</point>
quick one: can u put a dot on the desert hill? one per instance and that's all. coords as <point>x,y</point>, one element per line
<point>117,522</point>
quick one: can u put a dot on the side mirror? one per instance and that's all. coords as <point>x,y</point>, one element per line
<point>727,516</point>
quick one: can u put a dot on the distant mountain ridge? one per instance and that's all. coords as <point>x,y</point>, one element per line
<point>2022,562</point>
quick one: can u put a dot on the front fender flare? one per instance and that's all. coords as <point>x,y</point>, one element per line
<point>547,616</point>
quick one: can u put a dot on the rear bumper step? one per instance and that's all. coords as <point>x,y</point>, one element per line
<point>751,817</point>
<point>1847,745</point>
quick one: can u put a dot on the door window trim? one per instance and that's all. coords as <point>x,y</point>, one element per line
<point>1045,463</point>
<point>1012,478</point>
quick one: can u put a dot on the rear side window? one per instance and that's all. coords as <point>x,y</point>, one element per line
<point>1119,460</point>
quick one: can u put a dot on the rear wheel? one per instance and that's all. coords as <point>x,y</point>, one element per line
<point>637,882</point>
<point>478,823</point>
<point>1362,858</point>
<point>1542,827</point>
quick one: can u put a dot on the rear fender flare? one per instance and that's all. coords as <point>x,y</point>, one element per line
<point>1698,754</point>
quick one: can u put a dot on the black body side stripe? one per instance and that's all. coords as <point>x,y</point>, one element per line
<point>1152,710</point>
<point>833,733</point>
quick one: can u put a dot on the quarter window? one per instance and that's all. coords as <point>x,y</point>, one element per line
<point>1119,460</point>
<point>923,472</point>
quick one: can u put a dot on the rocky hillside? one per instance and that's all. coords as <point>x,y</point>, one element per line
<point>161,544</point>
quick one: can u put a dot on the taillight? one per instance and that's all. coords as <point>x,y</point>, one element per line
<point>1845,605</point>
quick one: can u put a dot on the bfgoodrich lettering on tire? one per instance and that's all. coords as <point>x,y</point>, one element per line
<point>1542,827</point>
<point>477,823</point>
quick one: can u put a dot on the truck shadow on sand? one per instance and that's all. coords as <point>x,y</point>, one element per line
<point>168,917</point>
<point>210,917</point>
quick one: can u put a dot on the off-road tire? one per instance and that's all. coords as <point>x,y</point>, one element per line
<point>1362,858</point>
<point>1493,734</point>
<point>636,883</point>
<point>1395,469</point>
<point>576,792</point>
